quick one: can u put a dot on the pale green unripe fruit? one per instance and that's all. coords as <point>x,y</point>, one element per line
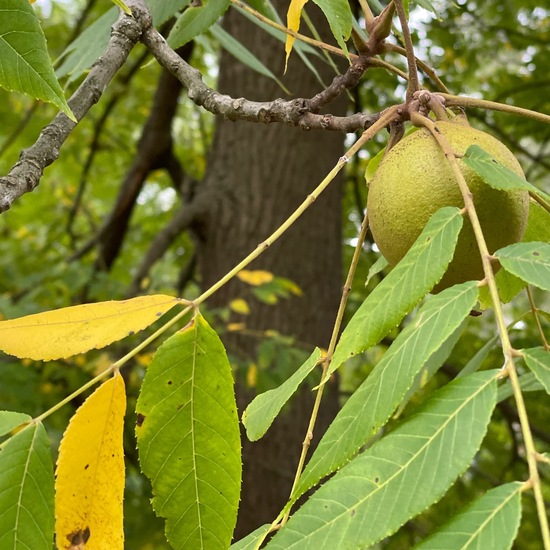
<point>414,180</point>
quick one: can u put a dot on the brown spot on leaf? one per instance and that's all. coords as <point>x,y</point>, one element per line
<point>79,539</point>
<point>475,313</point>
<point>169,382</point>
<point>140,419</point>
<point>87,466</point>
<point>131,333</point>
<point>536,253</point>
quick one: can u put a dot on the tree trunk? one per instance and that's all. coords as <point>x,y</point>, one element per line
<point>261,173</point>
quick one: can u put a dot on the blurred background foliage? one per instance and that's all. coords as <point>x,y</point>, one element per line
<point>497,50</point>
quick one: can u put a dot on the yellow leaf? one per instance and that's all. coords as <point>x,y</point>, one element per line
<point>239,306</point>
<point>236,327</point>
<point>89,485</point>
<point>252,375</point>
<point>256,277</point>
<point>68,331</point>
<point>293,17</point>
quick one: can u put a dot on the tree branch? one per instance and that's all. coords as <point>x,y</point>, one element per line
<point>296,112</point>
<point>25,175</point>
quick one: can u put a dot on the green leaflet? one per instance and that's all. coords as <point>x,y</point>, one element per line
<point>188,438</point>
<point>251,541</point>
<point>538,229</point>
<point>496,174</point>
<point>10,420</point>
<point>528,261</point>
<point>26,489</point>
<point>26,66</point>
<point>259,415</point>
<point>400,475</point>
<point>411,279</point>
<point>375,400</point>
<point>538,361</point>
<point>491,521</point>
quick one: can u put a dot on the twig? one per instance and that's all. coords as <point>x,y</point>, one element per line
<point>461,101</point>
<point>430,73</point>
<point>413,85</point>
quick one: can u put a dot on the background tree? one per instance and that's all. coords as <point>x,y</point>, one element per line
<point>197,194</point>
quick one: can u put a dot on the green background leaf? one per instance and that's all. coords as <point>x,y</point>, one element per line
<point>414,276</point>
<point>195,20</point>
<point>400,475</point>
<point>244,55</point>
<point>188,438</point>
<point>27,491</point>
<point>26,66</point>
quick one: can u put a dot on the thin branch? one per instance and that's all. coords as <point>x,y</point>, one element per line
<point>461,101</point>
<point>413,85</point>
<point>26,173</point>
<point>330,352</point>
<point>279,110</point>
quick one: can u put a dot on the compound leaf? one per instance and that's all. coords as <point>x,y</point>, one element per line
<point>379,395</point>
<point>400,475</point>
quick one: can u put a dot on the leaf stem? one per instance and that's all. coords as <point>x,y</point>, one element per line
<point>413,84</point>
<point>461,101</point>
<point>507,349</point>
<point>534,311</point>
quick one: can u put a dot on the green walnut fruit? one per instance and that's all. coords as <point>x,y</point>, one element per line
<point>414,180</point>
